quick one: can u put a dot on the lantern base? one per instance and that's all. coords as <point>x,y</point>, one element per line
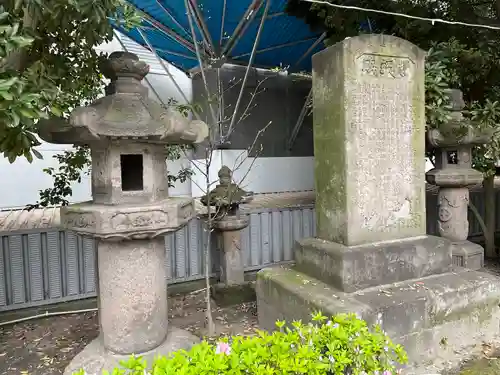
<point>95,358</point>
<point>468,255</point>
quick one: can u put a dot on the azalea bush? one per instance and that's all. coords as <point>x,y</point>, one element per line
<point>342,345</point>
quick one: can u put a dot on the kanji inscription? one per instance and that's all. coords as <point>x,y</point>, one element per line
<point>381,126</point>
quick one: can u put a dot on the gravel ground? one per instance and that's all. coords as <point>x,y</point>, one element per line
<point>45,346</point>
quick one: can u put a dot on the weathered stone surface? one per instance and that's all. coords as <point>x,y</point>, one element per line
<point>369,129</point>
<point>433,317</point>
<point>132,294</point>
<point>226,193</point>
<point>372,256</point>
<point>468,255</point>
<point>453,173</point>
<point>130,211</point>
<point>95,358</point>
<point>125,111</point>
<point>349,268</point>
<point>107,179</point>
<point>226,199</point>
<point>121,222</point>
<point>232,265</point>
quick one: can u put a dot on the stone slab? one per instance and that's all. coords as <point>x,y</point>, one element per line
<point>420,313</point>
<point>94,358</point>
<point>131,221</point>
<point>369,138</point>
<point>350,268</point>
<point>468,255</point>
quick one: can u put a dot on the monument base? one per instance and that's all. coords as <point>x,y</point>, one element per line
<point>433,317</point>
<point>94,358</point>
<point>468,255</point>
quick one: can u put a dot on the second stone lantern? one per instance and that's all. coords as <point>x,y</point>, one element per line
<point>129,213</point>
<point>453,173</point>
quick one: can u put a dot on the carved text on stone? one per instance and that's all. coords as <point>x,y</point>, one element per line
<point>382,133</point>
<point>385,66</point>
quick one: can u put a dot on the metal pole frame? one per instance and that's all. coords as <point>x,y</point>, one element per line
<point>250,62</point>
<point>240,29</point>
<point>300,121</point>
<point>165,67</point>
<point>202,26</point>
<point>278,46</point>
<point>189,11</point>
<point>165,30</point>
<point>173,53</point>
<point>224,6</point>
<point>309,50</point>
<point>171,16</point>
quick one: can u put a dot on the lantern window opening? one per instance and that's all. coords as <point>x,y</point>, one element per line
<point>132,172</point>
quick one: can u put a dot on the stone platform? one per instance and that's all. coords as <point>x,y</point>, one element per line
<point>94,359</point>
<point>433,317</point>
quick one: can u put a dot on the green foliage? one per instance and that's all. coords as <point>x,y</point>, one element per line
<point>459,57</point>
<point>48,64</point>
<point>342,345</point>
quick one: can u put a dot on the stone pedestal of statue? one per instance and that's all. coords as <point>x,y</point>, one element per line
<point>225,200</point>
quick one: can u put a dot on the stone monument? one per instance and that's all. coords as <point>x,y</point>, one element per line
<point>371,255</point>
<point>129,213</point>
<point>226,199</point>
<point>454,175</point>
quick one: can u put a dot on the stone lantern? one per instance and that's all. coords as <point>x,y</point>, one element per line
<point>129,213</point>
<point>226,199</point>
<point>453,173</point>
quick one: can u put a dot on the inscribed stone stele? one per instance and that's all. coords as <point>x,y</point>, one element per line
<point>369,128</point>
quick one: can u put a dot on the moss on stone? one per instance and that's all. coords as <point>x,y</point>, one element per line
<point>482,367</point>
<point>483,313</point>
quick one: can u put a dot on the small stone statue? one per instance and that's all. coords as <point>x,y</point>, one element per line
<point>227,196</point>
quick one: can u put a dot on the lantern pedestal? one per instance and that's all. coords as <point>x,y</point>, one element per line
<point>95,357</point>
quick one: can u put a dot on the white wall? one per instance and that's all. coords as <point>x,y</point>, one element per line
<point>261,175</point>
<point>22,181</point>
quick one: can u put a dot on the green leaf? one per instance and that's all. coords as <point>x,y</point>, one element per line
<point>29,113</point>
<point>56,111</point>
<point>37,154</point>
<point>7,83</point>
<point>6,95</point>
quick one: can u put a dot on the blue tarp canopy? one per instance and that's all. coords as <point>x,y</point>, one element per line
<point>228,29</point>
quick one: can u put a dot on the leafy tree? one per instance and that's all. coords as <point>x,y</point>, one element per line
<point>48,66</point>
<point>467,58</point>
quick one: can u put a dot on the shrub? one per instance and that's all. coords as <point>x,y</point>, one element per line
<point>342,345</point>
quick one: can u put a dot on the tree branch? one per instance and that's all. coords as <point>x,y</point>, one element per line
<point>18,60</point>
